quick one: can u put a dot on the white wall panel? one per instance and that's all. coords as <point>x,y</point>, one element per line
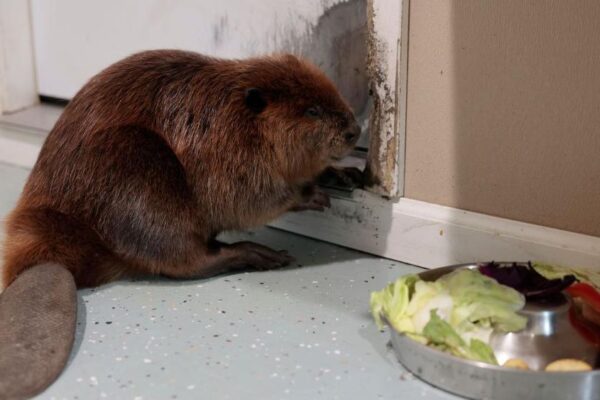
<point>74,39</point>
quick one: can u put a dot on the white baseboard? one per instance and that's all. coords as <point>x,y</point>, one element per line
<point>431,235</point>
<point>411,231</point>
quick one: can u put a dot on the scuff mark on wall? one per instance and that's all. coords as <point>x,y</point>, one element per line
<point>220,30</point>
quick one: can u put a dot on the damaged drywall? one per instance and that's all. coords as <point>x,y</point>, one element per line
<point>386,147</point>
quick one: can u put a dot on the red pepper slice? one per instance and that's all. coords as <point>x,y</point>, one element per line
<point>585,328</point>
<point>587,293</point>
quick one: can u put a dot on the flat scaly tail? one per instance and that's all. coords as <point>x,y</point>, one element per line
<point>38,313</point>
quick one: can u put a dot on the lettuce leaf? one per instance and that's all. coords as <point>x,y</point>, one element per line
<point>480,301</point>
<point>481,351</point>
<point>526,279</point>
<point>442,335</point>
<point>391,303</point>
<point>551,271</point>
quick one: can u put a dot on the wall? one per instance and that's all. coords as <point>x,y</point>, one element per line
<point>503,109</point>
<point>74,40</point>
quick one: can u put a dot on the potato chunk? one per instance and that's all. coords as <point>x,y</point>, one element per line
<point>515,363</point>
<point>568,364</point>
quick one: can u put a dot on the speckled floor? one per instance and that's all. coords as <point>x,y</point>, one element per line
<point>303,332</point>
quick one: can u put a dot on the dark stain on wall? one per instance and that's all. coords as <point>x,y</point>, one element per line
<point>338,44</point>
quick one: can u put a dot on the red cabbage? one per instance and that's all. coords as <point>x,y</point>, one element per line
<point>525,279</point>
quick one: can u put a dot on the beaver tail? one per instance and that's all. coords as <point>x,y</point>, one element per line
<point>38,312</point>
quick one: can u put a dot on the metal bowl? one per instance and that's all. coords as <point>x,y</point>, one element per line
<point>548,336</point>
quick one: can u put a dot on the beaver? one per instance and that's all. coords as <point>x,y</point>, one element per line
<point>150,161</point>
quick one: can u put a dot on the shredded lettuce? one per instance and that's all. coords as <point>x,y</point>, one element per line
<point>480,302</point>
<point>481,351</point>
<point>551,271</point>
<point>457,313</point>
<point>392,303</point>
<point>526,279</point>
<point>443,335</point>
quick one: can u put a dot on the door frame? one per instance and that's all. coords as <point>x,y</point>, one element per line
<point>18,86</point>
<point>387,64</point>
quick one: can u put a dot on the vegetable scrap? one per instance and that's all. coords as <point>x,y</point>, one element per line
<point>527,280</point>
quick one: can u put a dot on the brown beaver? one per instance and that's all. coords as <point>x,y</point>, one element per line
<point>153,158</point>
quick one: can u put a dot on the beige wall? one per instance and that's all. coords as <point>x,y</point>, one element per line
<point>504,109</point>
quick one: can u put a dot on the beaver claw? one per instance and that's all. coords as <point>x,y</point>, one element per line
<point>318,201</point>
<point>262,257</point>
<point>347,177</point>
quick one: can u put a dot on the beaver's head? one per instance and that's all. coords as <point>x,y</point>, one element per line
<point>301,114</point>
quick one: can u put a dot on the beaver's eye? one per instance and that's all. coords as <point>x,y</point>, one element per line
<point>314,112</point>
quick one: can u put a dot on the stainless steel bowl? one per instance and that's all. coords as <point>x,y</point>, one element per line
<point>548,336</point>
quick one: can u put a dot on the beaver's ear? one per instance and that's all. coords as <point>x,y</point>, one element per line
<point>255,100</point>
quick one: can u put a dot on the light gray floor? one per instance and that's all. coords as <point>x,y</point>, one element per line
<point>40,117</point>
<point>299,333</point>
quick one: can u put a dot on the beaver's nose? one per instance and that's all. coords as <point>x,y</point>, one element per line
<point>352,134</point>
